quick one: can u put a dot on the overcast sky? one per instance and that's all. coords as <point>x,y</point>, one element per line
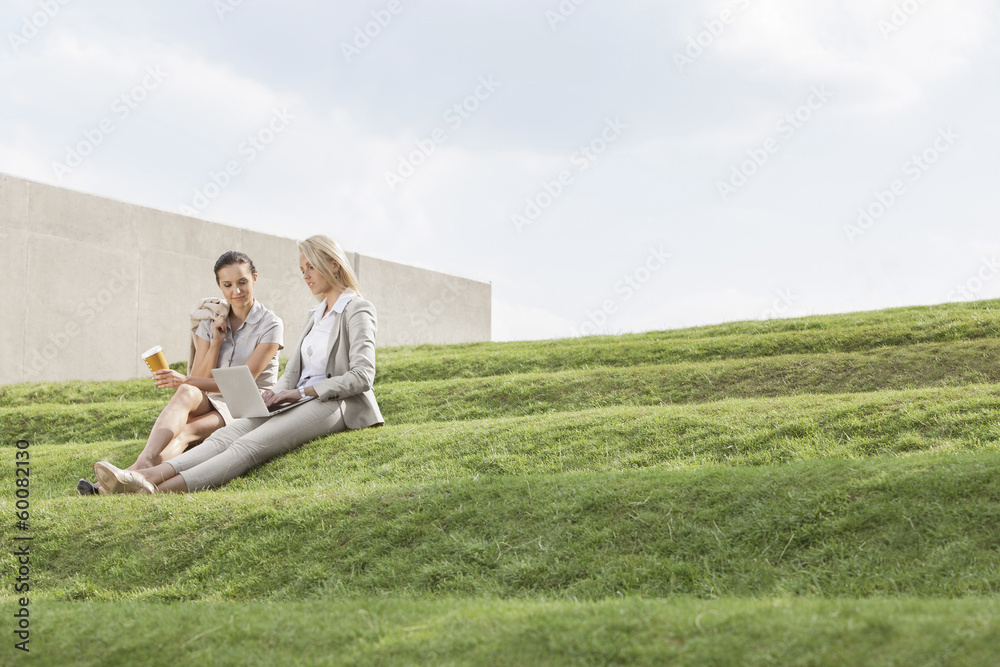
<point>607,166</point>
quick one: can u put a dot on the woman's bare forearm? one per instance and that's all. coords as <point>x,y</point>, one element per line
<point>205,384</point>
<point>203,367</point>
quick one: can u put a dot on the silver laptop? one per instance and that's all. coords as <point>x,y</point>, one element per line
<point>243,395</point>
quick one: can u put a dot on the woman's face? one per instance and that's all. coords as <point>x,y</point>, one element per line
<point>236,283</point>
<point>314,279</point>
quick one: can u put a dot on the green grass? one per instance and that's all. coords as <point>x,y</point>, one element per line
<point>447,631</point>
<point>804,492</point>
<point>54,413</point>
<point>739,432</point>
<point>814,335</point>
<point>923,525</point>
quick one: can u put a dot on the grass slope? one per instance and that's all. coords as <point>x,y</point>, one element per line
<point>52,414</point>
<point>812,491</point>
<point>743,432</point>
<point>446,631</point>
<point>812,335</point>
<point>924,525</point>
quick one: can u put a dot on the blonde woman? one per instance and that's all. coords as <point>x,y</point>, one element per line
<point>249,334</point>
<point>334,361</point>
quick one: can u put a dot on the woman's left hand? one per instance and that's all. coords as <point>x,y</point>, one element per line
<point>289,396</point>
<point>168,378</point>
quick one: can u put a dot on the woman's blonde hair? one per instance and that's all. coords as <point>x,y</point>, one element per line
<point>321,251</point>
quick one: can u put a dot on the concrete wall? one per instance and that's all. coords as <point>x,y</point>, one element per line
<point>89,283</point>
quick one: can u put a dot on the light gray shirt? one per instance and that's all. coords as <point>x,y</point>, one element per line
<point>261,327</point>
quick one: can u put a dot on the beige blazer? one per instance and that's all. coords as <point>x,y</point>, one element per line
<point>350,367</point>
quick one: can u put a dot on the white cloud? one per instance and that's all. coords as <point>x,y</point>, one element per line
<point>775,43</point>
<point>512,321</point>
<point>326,173</point>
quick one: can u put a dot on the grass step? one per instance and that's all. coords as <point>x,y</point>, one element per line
<point>715,495</point>
<point>924,525</point>
<point>679,631</point>
<point>957,323</point>
<point>78,393</point>
<point>928,365</point>
<point>924,365</point>
<point>813,335</point>
<point>939,318</point>
<point>743,432</point>
<point>55,424</point>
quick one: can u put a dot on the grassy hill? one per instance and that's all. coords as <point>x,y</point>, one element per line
<point>813,491</point>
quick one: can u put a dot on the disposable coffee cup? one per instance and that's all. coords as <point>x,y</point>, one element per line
<point>155,359</point>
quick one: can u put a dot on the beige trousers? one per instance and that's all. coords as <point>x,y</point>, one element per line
<point>246,443</point>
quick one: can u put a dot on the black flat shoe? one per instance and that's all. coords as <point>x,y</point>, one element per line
<point>85,488</point>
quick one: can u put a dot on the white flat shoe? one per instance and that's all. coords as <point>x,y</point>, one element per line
<point>116,480</point>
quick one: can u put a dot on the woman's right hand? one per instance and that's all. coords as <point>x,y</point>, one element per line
<point>271,398</point>
<point>167,378</point>
<point>219,325</point>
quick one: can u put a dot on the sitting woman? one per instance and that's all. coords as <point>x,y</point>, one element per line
<point>334,361</point>
<point>249,335</point>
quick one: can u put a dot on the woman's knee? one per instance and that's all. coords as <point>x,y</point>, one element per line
<point>187,395</point>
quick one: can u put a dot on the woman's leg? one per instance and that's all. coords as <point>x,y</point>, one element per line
<point>187,402</point>
<point>165,475</point>
<point>271,437</point>
<point>196,430</point>
<point>167,479</point>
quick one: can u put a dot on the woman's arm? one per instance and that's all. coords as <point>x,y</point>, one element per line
<point>261,357</point>
<point>206,357</point>
<point>361,356</point>
<point>256,363</point>
<point>290,378</point>
<point>206,353</point>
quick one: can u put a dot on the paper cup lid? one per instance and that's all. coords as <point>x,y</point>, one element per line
<point>151,351</point>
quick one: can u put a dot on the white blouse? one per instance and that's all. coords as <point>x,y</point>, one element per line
<point>315,348</point>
